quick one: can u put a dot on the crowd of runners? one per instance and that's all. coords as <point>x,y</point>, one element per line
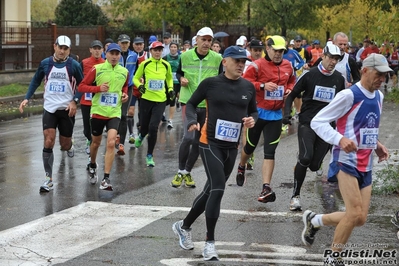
<point>228,98</point>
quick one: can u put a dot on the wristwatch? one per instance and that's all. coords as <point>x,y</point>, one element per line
<point>76,100</point>
<point>262,86</point>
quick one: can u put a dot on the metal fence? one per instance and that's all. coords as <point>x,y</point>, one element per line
<point>23,45</point>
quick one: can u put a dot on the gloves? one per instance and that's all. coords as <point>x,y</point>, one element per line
<point>171,95</point>
<point>141,89</point>
<point>287,120</point>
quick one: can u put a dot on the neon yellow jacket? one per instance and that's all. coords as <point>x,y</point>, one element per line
<point>156,74</point>
<point>196,70</point>
<point>108,104</point>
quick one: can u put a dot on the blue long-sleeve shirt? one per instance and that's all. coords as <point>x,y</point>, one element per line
<point>295,59</point>
<point>42,71</point>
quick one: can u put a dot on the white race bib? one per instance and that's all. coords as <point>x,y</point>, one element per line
<point>323,94</point>
<point>275,95</point>
<point>109,99</point>
<point>368,138</point>
<point>227,131</point>
<point>155,85</point>
<point>88,96</point>
<point>57,87</point>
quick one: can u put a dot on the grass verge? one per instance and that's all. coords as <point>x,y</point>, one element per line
<point>16,89</point>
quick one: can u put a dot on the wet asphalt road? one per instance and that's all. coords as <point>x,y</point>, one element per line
<point>21,171</point>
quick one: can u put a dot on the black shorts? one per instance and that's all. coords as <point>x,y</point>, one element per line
<point>61,120</point>
<point>97,125</point>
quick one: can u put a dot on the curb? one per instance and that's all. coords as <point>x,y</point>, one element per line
<point>36,95</point>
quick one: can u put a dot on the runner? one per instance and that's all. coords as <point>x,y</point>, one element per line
<point>195,65</point>
<point>110,91</point>
<point>319,86</point>
<point>273,78</point>
<point>226,113</point>
<point>156,85</point>
<point>357,112</point>
<point>96,50</point>
<point>61,74</point>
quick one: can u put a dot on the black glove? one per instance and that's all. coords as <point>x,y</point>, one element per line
<point>141,89</point>
<point>171,95</point>
<point>287,120</point>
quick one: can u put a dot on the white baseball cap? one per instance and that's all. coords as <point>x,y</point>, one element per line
<point>63,40</point>
<point>205,31</point>
<point>194,41</point>
<point>332,49</point>
<point>240,41</point>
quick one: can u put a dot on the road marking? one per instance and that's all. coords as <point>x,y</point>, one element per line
<point>65,235</point>
<point>280,254</point>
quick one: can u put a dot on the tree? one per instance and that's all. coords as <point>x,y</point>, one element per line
<point>42,10</point>
<point>283,15</point>
<point>79,13</point>
<point>181,14</point>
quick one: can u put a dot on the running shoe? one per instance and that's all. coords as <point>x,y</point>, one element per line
<point>284,127</point>
<point>121,149</point>
<point>170,124</point>
<point>267,195</point>
<point>93,174</point>
<point>319,172</point>
<point>250,162</point>
<point>106,184</point>
<point>309,230</point>
<point>295,204</point>
<point>184,235</point>
<point>47,185</point>
<point>177,180</point>
<point>150,160</point>
<point>210,252</point>
<point>163,118</point>
<point>117,141</point>
<point>188,180</point>
<point>138,142</point>
<point>88,147</point>
<point>132,139</point>
<point>178,106</point>
<point>395,219</point>
<point>71,152</point>
<point>240,178</point>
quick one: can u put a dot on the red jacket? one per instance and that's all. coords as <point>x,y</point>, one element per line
<point>87,64</point>
<point>263,71</point>
<point>369,50</point>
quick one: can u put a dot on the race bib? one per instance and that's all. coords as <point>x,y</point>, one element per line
<point>368,138</point>
<point>174,76</point>
<point>155,85</point>
<point>88,96</point>
<point>227,131</point>
<point>275,95</point>
<point>57,87</point>
<point>109,99</point>
<point>323,94</point>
